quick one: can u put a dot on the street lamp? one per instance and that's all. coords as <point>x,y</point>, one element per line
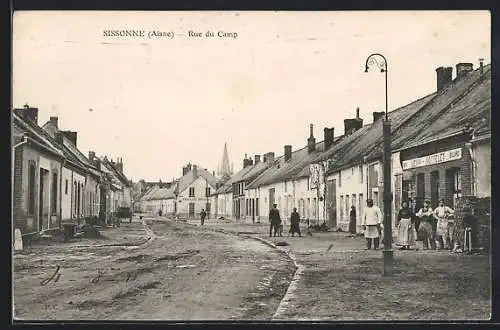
<point>381,62</point>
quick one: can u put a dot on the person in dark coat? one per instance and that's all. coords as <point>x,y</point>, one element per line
<point>203,215</point>
<point>294,223</point>
<point>352,222</point>
<point>274,220</point>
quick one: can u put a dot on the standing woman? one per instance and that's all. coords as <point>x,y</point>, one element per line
<point>295,223</point>
<point>442,213</point>
<point>405,227</point>
<point>425,232</point>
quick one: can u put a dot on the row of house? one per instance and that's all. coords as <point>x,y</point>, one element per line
<point>183,198</point>
<point>55,183</point>
<point>440,147</point>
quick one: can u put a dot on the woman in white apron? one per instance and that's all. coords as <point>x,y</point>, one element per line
<point>405,227</point>
<point>443,231</point>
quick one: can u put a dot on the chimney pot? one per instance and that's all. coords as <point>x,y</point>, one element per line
<point>357,112</point>
<point>257,159</point>
<point>91,155</point>
<point>481,65</point>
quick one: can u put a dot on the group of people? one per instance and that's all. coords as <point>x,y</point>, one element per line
<point>436,229</point>
<point>429,228</point>
<point>276,226</point>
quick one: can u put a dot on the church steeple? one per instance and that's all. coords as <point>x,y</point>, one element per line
<point>224,166</point>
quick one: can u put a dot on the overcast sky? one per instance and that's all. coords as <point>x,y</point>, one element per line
<point>160,103</point>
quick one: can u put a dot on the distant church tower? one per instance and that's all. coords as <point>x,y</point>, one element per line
<point>224,168</point>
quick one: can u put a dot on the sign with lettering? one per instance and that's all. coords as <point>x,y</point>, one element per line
<point>442,157</point>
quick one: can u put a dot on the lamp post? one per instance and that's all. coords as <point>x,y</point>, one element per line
<point>380,61</point>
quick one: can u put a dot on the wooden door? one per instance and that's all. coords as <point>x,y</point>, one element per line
<point>331,203</point>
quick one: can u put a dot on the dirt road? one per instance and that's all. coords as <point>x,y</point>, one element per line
<point>183,273</point>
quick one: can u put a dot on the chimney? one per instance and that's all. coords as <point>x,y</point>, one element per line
<point>189,167</point>
<point>213,173</point>
<point>91,156</point>
<point>257,159</point>
<point>119,165</point>
<point>288,152</point>
<point>59,137</point>
<point>195,171</point>
<point>378,115</point>
<point>352,125</point>
<point>463,69</point>
<point>269,157</point>
<point>245,161</point>
<point>443,77</point>
<point>184,170</point>
<point>71,136</point>
<point>53,120</point>
<point>328,134</point>
<point>28,113</point>
<point>481,65</point>
<point>311,141</point>
<point>264,158</point>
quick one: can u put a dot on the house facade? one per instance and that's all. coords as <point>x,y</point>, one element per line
<point>193,192</point>
<point>37,167</point>
<point>53,182</point>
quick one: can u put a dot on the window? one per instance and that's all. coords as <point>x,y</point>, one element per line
<point>361,205</point>
<point>207,191</point>
<point>353,200</point>
<point>347,206</point>
<point>360,173</point>
<point>285,186</point>
<point>31,188</point>
<point>308,184</point>
<point>314,208</point>
<point>75,198</point>
<point>66,186</point>
<point>54,194</point>
<point>340,178</point>
<point>191,191</point>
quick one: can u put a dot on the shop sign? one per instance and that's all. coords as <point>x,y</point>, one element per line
<point>442,157</point>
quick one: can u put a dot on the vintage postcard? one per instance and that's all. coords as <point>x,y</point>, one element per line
<point>252,165</point>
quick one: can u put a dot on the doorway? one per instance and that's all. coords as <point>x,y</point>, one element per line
<point>271,198</point>
<point>191,210</point>
<point>43,209</point>
<point>434,188</point>
<point>331,203</point>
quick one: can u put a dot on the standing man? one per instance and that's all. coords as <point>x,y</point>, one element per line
<point>274,220</point>
<point>203,215</point>
<point>371,220</point>
<point>295,223</point>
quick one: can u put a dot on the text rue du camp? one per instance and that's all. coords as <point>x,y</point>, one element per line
<point>212,34</point>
